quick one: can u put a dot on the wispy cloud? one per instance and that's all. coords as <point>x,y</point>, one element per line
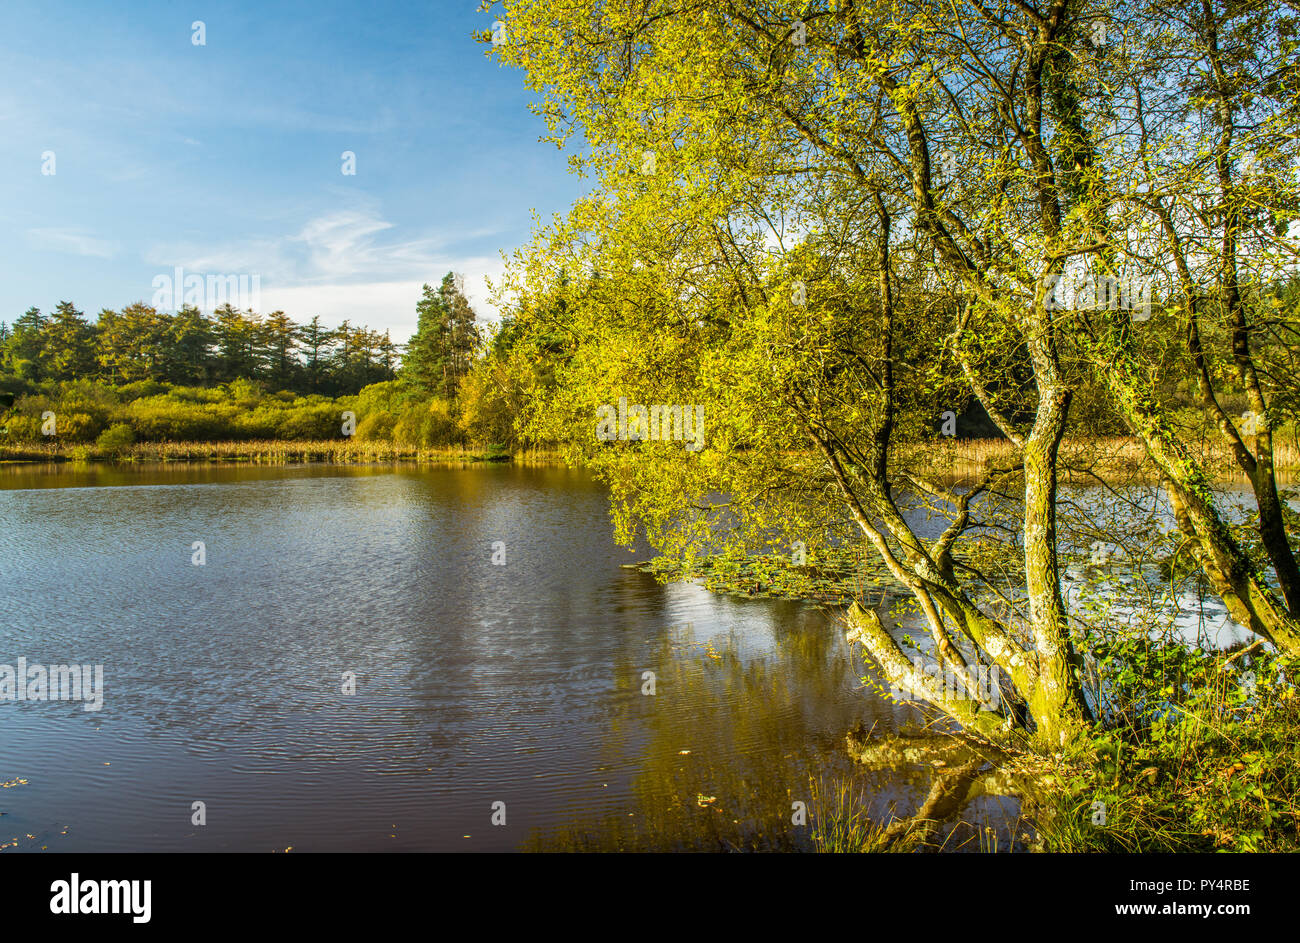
<point>225,159</point>
<point>350,263</point>
<point>72,241</point>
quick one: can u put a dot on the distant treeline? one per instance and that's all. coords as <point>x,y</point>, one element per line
<point>140,342</point>
<point>188,348</point>
<point>145,375</point>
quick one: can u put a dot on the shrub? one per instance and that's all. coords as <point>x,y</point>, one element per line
<point>246,393</point>
<point>130,391</point>
<point>116,438</point>
<point>309,421</point>
<point>485,411</point>
<point>160,418</point>
<point>258,423</point>
<point>428,425</point>
<point>24,427</point>
<point>78,426</point>
<point>377,426</point>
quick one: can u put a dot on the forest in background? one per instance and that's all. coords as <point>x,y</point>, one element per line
<point>143,375</point>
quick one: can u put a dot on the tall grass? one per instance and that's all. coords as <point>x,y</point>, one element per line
<point>273,452</point>
<point>1104,456</point>
<point>1109,457</point>
<point>841,822</point>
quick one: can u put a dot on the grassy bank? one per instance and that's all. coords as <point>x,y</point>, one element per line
<point>1213,765</point>
<point>1111,459</point>
<point>271,452</point>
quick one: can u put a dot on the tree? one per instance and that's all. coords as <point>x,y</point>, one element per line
<point>315,340</point>
<point>344,357</point>
<point>187,354</point>
<point>68,342</point>
<point>461,337</point>
<point>681,253</point>
<point>131,344</point>
<point>736,162</point>
<point>237,344</point>
<point>389,356</point>
<point>281,341</point>
<point>424,364</point>
<point>1219,205</point>
<point>441,352</point>
<point>25,347</point>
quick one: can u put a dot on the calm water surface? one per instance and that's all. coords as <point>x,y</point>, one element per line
<point>475,683</point>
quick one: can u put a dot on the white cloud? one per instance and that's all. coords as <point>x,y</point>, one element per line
<point>72,241</point>
<point>380,305</point>
<point>347,264</point>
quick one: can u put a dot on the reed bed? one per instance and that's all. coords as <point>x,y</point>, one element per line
<point>273,452</point>
<point>1109,457</point>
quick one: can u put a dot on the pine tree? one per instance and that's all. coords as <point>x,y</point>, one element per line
<point>281,347</point>
<point>446,336</point>
<point>462,335</point>
<point>130,345</point>
<point>69,343</point>
<point>236,344</point>
<point>423,364</point>
<point>316,340</point>
<point>187,354</point>
<point>26,350</point>
<point>388,355</point>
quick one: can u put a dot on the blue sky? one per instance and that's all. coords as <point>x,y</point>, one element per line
<point>226,159</point>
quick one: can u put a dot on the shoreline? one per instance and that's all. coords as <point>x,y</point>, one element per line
<point>273,452</point>
<point>1110,459</point>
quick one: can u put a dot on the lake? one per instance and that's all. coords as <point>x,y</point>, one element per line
<point>521,681</point>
